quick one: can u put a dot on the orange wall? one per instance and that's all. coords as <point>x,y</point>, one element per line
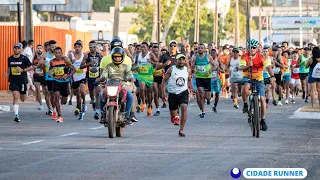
<point>9,36</point>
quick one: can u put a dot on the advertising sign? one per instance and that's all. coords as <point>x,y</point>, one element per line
<point>295,22</point>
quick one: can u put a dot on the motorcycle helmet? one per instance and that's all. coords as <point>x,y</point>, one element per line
<point>117,52</point>
<point>116,42</point>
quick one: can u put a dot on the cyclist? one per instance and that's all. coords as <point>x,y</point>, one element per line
<point>258,64</point>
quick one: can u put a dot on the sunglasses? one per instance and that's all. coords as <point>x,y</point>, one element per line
<point>253,47</point>
<point>173,45</point>
<point>92,47</point>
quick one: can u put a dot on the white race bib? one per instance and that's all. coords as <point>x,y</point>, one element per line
<point>276,70</point>
<point>201,69</point>
<point>214,74</point>
<point>316,71</point>
<point>296,71</point>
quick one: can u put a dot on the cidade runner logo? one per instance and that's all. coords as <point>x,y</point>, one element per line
<point>235,173</point>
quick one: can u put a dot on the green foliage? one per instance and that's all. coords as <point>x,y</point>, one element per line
<point>129,9</point>
<point>183,25</point>
<point>102,5</point>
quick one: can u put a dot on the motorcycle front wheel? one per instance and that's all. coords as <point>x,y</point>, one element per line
<point>111,122</point>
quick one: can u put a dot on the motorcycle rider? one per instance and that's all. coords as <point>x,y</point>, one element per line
<point>119,70</point>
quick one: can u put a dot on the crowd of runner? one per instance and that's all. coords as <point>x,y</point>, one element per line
<point>157,75</point>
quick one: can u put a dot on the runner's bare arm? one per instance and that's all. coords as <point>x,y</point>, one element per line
<point>128,53</point>
<point>193,62</point>
<point>69,64</point>
<point>83,63</point>
<point>190,80</point>
<point>42,61</point>
<point>165,79</point>
<point>153,60</point>
<point>221,67</point>
<point>309,62</point>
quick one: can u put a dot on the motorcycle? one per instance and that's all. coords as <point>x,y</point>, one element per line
<point>114,96</point>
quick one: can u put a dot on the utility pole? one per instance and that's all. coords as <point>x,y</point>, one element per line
<point>196,22</point>
<point>260,8</point>
<point>28,20</point>
<point>301,38</point>
<point>116,18</point>
<point>237,28</point>
<point>154,21</point>
<point>19,22</point>
<point>216,24</point>
<point>159,22</point>
<point>273,14</point>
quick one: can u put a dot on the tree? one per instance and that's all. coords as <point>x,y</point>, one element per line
<point>243,4</point>
<point>102,5</point>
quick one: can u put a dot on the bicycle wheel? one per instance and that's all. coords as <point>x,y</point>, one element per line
<point>250,116</point>
<point>256,115</point>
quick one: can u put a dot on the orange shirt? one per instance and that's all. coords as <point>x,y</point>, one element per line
<point>258,65</point>
<point>224,58</point>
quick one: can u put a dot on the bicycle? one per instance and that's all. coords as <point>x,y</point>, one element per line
<point>254,115</point>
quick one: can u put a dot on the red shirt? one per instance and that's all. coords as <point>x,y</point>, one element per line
<point>295,71</point>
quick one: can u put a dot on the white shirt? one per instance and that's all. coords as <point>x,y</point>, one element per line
<point>28,52</point>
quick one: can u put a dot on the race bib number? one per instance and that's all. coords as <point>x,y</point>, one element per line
<point>79,71</point>
<point>201,69</point>
<point>214,74</point>
<point>296,70</point>
<point>276,70</point>
<point>143,69</point>
<point>47,69</point>
<point>39,71</point>
<point>15,72</point>
<point>158,73</point>
<point>93,75</point>
<point>58,71</point>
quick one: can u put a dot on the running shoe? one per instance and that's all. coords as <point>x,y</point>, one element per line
<point>164,105</point>
<point>80,117</point>
<point>70,103</point>
<point>54,115</point>
<point>202,115</point>
<point>264,126</point>
<point>181,133</point>
<point>76,112</point>
<point>176,121</point>
<point>49,112</point>
<point>157,113</point>
<point>143,106</point>
<point>293,101</point>
<point>287,101</point>
<point>235,105</point>
<point>84,108</point>
<point>59,120</point>
<point>96,116</point>
<point>279,103</point>
<point>214,109</point>
<point>245,108</point>
<point>149,112</point>
<point>16,118</point>
<point>274,102</point>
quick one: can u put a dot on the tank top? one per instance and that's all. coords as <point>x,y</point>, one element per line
<point>48,59</point>
<point>145,68</point>
<point>178,81</point>
<point>266,74</point>
<point>80,73</point>
<point>303,68</point>
<point>202,67</point>
<point>93,70</point>
<point>295,71</point>
<point>37,71</point>
<point>235,74</point>
<point>215,73</point>
<point>315,68</point>
<point>59,69</point>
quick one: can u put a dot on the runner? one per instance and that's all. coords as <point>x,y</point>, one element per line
<point>157,78</point>
<point>224,57</point>
<point>266,76</point>
<point>45,60</point>
<point>178,78</point>
<point>203,66</point>
<point>79,79</point>
<point>295,82</point>
<point>60,73</point>
<point>314,75</point>
<point>216,81</point>
<point>235,75</point>
<point>91,61</point>
<point>105,50</point>
<point>18,66</point>
<point>287,75</point>
<point>38,76</point>
<point>258,64</point>
<point>280,63</point>
<point>146,61</point>
<point>303,72</point>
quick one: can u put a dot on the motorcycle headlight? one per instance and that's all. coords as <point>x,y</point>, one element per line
<point>112,90</point>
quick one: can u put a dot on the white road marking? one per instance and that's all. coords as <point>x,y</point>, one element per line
<point>70,134</point>
<point>32,142</point>
<point>97,127</point>
<point>191,104</point>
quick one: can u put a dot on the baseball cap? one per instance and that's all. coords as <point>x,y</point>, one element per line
<point>173,41</point>
<point>19,45</point>
<point>180,56</point>
<point>78,42</point>
<point>236,48</point>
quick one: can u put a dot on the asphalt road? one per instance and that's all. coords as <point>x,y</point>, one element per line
<point>39,148</point>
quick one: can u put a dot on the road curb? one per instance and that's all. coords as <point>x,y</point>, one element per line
<point>4,108</point>
<point>305,115</point>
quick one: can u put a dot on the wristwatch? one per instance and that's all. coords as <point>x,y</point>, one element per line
<point>272,76</point>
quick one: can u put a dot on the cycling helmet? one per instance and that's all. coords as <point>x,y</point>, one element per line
<point>253,43</point>
<point>116,42</point>
<point>117,52</point>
